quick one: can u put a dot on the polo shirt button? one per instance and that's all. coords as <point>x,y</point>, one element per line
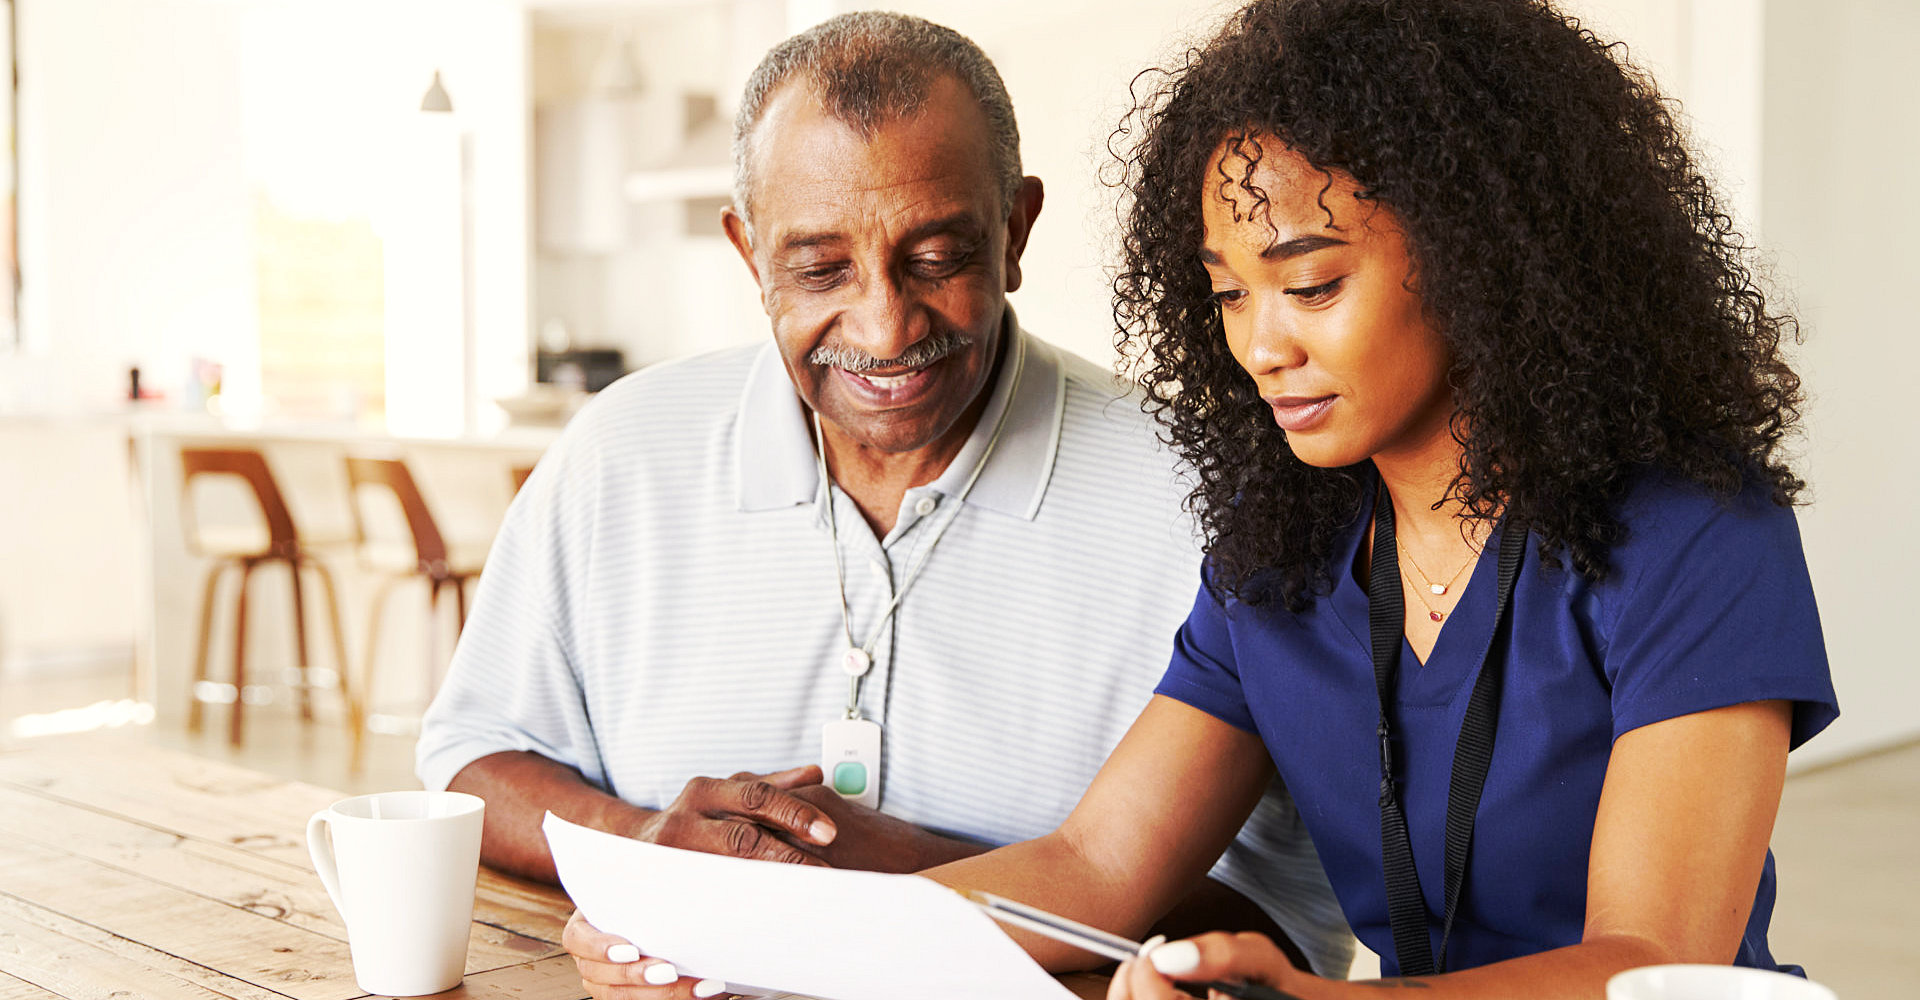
<point>925,506</point>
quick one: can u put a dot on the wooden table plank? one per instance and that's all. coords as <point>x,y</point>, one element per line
<point>553,978</point>
<point>62,957</point>
<point>271,888</point>
<point>243,944</point>
<point>20,989</point>
<point>222,804</point>
<point>1086,985</point>
<point>171,791</point>
<point>528,909</point>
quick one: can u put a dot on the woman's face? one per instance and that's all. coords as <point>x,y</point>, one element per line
<point>1320,311</point>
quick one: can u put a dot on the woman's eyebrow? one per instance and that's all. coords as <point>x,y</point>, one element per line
<point>1300,245</point>
<point>1284,250</point>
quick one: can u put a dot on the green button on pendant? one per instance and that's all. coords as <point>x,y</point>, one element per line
<point>850,777</point>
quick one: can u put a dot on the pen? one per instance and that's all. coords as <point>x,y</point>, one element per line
<point>1102,943</point>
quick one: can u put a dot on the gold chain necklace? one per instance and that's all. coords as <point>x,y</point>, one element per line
<point>1436,589</point>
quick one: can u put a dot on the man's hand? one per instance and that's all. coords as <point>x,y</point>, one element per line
<point>784,816</point>
<point>870,840</point>
<point>760,816</point>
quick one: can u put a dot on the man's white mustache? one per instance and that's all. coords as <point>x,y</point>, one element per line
<point>918,355</point>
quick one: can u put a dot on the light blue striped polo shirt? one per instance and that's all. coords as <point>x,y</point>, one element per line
<point>660,604</point>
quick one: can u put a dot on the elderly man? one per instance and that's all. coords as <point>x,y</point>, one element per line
<point>907,573</point>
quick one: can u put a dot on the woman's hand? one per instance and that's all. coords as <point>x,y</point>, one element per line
<point>611,968</point>
<point>1217,957</point>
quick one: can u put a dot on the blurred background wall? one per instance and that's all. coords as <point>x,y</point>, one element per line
<point>1838,211</point>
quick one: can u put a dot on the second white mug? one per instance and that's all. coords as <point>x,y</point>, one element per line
<point>1711,982</point>
<point>401,867</point>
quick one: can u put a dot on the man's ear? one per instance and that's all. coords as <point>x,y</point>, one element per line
<point>741,236</point>
<point>1026,208</point>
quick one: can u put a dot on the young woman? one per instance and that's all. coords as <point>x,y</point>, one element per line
<point>1503,577</point>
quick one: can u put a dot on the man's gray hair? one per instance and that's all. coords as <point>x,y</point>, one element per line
<point>869,68</point>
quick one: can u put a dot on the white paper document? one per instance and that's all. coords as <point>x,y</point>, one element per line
<point>840,935</point>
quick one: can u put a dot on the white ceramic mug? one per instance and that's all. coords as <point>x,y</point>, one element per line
<point>400,867</point>
<point>1711,982</point>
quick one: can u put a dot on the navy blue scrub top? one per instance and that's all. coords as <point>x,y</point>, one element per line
<point>1708,604</point>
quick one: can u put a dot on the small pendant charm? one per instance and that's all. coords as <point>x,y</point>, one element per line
<point>856,662</point>
<point>1435,615</point>
<point>1437,588</point>
<point>850,758</point>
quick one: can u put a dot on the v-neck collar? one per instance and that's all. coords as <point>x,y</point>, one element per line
<point>1455,660</point>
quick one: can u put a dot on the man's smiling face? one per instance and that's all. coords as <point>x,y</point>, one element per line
<point>883,261</point>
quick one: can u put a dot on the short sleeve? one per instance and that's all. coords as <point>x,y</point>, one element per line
<point>1203,672</point>
<point>1718,610</point>
<point>1272,861</point>
<point>513,683</point>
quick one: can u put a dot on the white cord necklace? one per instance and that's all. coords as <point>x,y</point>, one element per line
<point>850,745</point>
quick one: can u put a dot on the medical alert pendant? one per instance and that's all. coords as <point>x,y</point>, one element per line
<point>850,759</point>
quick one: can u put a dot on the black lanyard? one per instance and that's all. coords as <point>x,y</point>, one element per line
<point>1406,906</point>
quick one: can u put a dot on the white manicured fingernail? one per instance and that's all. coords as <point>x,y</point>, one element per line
<point>661,974</point>
<point>1177,958</point>
<point>1151,943</point>
<point>623,953</point>
<point>709,988</point>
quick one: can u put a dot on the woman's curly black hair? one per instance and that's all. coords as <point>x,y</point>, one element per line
<point>1600,313</point>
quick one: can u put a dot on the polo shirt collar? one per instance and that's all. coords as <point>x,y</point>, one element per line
<point>774,462</point>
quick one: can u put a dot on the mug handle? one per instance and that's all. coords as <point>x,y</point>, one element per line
<point>320,848</point>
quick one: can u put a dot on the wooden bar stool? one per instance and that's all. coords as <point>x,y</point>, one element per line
<point>246,551</point>
<point>423,555</point>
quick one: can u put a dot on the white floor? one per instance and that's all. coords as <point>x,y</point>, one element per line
<point>1847,842</point>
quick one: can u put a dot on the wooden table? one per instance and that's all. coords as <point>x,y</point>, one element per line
<point>147,873</point>
<point>129,871</point>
